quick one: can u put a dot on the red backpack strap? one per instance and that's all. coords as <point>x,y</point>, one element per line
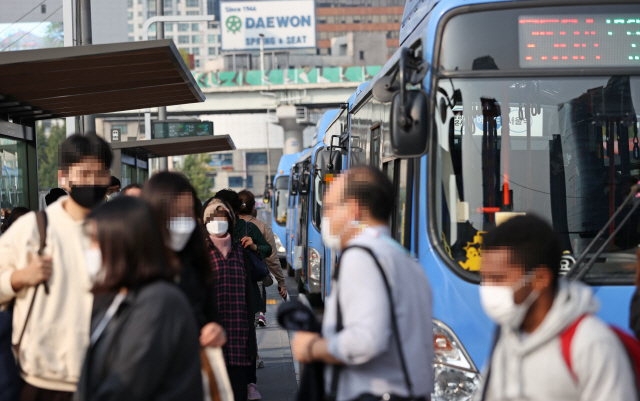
<point>566,338</point>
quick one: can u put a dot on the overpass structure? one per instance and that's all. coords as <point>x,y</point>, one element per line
<point>243,91</point>
<point>291,93</point>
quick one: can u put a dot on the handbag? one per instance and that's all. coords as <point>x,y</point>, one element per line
<point>396,334</point>
<point>214,373</point>
<point>10,381</point>
<point>256,266</point>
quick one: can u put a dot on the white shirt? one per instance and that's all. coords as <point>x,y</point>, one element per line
<point>366,344</point>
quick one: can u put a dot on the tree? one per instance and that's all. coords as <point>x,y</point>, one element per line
<point>48,154</point>
<point>195,167</point>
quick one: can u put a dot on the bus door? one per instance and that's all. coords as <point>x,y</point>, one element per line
<point>400,172</point>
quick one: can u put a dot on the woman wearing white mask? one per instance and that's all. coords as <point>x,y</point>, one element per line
<point>147,326</point>
<point>233,295</point>
<point>175,206</point>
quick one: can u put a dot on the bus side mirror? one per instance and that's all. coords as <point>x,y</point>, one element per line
<point>410,124</point>
<point>409,115</point>
<point>294,185</point>
<point>305,183</point>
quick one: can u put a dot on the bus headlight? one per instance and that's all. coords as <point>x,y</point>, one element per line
<point>314,264</point>
<point>279,246</point>
<point>456,378</point>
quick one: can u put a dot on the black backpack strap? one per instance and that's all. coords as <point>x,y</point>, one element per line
<point>394,324</point>
<point>41,220</point>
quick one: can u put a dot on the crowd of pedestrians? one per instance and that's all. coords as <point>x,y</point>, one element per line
<point>112,294</point>
<point>115,294</point>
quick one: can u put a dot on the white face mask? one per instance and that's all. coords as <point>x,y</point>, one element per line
<point>180,230</point>
<point>498,303</point>
<point>93,258</point>
<point>217,227</point>
<point>333,241</point>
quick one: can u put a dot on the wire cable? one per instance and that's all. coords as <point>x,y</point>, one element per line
<point>20,19</point>
<point>44,20</point>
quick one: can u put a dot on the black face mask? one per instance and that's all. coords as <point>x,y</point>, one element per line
<point>88,196</point>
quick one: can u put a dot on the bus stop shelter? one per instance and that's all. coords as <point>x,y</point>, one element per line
<point>73,81</point>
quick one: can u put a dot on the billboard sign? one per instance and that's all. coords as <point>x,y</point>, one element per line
<point>285,24</point>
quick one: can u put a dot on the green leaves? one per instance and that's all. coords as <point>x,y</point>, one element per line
<point>196,167</point>
<point>48,155</point>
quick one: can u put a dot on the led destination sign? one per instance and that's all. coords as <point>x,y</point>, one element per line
<point>579,40</point>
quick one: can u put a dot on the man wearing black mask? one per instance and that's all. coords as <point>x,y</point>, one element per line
<point>52,348</point>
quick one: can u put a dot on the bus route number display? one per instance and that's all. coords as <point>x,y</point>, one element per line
<point>579,41</point>
<point>182,129</point>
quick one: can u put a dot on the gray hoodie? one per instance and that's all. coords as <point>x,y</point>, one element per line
<point>530,366</point>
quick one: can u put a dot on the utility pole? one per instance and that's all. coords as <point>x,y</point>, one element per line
<point>261,58</point>
<point>84,37</point>
<point>162,111</point>
<point>67,14</point>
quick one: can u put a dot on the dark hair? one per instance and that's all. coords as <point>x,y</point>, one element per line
<point>248,202</point>
<point>531,241</point>
<point>13,216</point>
<point>54,195</point>
<point>77,147</point>
<point>160,192</point>
<point>114,182</point>
<point>231,197</point>
<point>372,190</point>
<point>131,244</point>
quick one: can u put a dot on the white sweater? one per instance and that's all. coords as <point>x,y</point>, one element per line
<point>533,368</point>
<point>57,335</point>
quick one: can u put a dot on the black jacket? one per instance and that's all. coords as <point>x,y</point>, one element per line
<point>148,351</point>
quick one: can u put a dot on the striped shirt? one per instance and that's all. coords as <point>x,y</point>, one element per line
<point>231,301</point>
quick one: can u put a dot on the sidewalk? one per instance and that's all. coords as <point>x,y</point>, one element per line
<point>277,380</point>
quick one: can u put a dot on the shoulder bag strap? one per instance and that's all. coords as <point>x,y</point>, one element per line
<point>394,325</point>
<point>41,219</point>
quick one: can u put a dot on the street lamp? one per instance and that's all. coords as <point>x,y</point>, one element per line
<point>262,57</point>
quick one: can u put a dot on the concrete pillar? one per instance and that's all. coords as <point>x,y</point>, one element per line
<point>292,130</point>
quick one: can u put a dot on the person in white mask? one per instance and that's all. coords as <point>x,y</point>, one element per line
<point>175,205</point>
<point>370,359</point>
<point>522,292</point>
<point>232,291</point>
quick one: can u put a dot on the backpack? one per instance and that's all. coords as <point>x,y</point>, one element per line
<point>631,346</point>
<point>255,264</point>
<point>10,380</point>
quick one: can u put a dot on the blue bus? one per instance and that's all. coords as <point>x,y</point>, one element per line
<point>279,204</point>
<point>311,256</point>
<point>495,108</point>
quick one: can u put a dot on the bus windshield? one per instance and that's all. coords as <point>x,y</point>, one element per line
<point>565,149</point>
<point>281,197</point>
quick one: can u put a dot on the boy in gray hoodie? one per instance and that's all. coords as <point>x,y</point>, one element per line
<point>521,291</point>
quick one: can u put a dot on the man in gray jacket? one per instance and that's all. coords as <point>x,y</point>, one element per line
<point>370,359</point>
<point>551,346</point>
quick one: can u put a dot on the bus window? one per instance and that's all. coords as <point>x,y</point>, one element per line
<point>281,198</point>
<point>13,160</point>
<point>560,148</point>
<point>374,156</point>
<point>401,211</point>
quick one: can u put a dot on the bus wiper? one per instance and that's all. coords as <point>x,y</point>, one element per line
<point>577,271</point>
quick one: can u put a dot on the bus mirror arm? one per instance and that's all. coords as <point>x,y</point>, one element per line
<point>577,272</point>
